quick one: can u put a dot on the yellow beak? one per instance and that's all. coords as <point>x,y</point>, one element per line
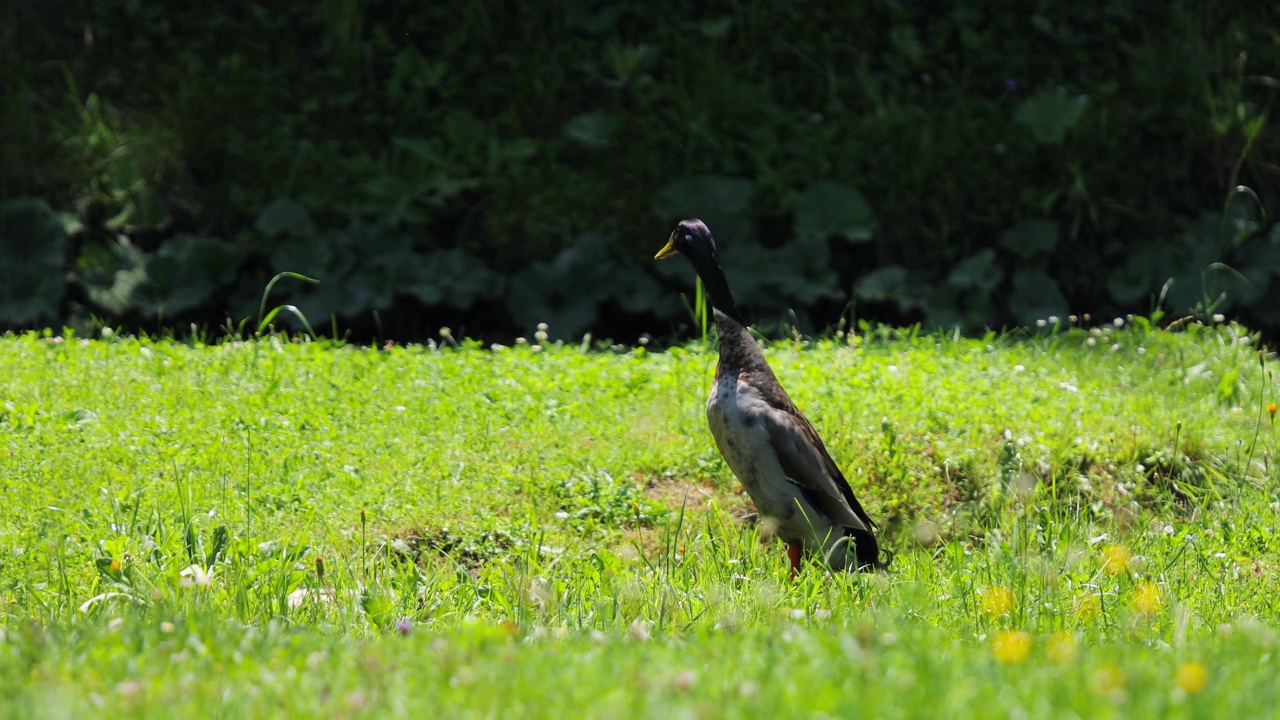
<point>669,250</point>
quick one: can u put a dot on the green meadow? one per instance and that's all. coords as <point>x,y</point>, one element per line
<point>1083,521</point>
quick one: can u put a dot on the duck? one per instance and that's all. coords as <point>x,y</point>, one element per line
<point>769,445</point>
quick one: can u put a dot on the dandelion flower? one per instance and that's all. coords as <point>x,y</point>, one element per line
<point>1271,410</point>
<point>1087,606</point>
<point>1191,677</point>
<point>1061,647</point>
<point>996,601</point>
<point>1108,681</point>
<point>1011,646</point>
<point>1147,598</point>
<point>1115,559</point>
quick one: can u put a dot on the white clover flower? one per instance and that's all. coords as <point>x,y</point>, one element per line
<point>197,576</point>
<point>685,680</point>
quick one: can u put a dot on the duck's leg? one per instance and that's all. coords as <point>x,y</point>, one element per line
<point>793,552</point>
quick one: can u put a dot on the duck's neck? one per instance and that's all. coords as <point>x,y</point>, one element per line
<point>716,285</point>
<point>738,348</point>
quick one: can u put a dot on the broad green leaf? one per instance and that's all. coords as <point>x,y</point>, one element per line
<point>143,210</point>
<point>593,129</point>
<point>419,148</point>
<point>717,28</point>
<point>32,262</point>
<point>887,284</point>
<point>1036,296</point>
<point>111,274</point>
<point>831,209</point>
<point>1028,238</point>
<point>977,272</point>
<point>184,274</point>
<point>721,202</point>
<point>567,291</point>
<point>455,278</point>
<point>284,215</point>
<point>1050,115</point>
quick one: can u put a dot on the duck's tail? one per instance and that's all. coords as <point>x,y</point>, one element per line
<point>858,550</point>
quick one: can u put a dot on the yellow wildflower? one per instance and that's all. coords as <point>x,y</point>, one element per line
<point>1011,646</point>
<point>1147,598</point>
<point>1108,680</point>
<point>1115,559</point>
<point>1061,647</point>
<point>1087,606</point>
<point>996,601</point>
<point>1191,676</point>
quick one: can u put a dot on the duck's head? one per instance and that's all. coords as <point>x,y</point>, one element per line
<point>692,239</point>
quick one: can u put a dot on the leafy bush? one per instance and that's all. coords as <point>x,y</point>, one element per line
<point>498,165</point>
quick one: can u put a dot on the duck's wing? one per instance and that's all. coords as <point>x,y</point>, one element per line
<point>807,463</point>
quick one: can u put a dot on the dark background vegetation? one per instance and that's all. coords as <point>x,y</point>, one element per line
<point>490,165</point>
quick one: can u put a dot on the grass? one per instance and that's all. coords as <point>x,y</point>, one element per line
<point>1083,521</point>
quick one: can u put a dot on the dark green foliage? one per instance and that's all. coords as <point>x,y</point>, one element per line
<point>499,164</point>
<point>32,249</point>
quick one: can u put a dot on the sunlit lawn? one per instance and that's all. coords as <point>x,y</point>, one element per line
<point>1084,525</point>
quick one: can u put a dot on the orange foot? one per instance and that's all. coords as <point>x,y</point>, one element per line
<point>793,552</point>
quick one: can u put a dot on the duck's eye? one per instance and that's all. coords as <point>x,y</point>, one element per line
<point>688,238</point>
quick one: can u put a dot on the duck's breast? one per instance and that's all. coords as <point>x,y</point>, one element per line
<point>736,414</point>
